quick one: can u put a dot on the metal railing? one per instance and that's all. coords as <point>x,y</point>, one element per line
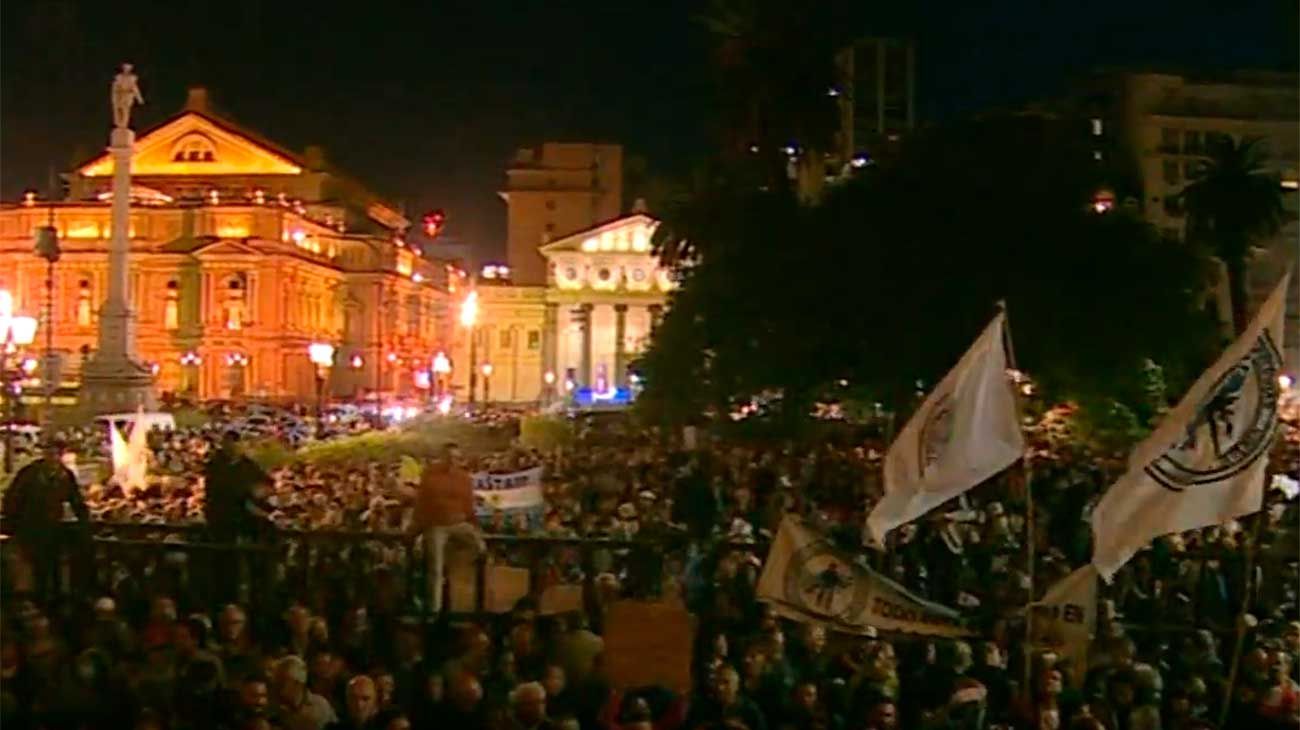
<point>188,562</point>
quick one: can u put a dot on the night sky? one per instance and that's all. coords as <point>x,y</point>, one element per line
<point>426,101</point>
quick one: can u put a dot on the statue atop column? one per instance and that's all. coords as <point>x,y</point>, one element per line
<point>126,93</point>
<point>113,380</point>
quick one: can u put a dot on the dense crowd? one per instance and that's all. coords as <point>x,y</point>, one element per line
<point>319,637</point>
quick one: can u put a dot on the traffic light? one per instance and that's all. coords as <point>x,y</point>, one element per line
<point>433,222</point>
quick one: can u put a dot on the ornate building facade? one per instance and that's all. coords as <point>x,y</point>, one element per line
<point>242,254</point>
<point>576,336</point>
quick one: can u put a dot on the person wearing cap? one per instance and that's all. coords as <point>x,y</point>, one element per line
<point>444,507</point>
<point>34,508</point>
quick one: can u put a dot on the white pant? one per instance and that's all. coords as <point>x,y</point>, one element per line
<point>435,551</point>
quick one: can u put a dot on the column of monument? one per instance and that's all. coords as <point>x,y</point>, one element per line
<point>113,380</point>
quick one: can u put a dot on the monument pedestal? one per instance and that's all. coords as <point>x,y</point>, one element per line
<point>113,381</point>
<point>116,386</point>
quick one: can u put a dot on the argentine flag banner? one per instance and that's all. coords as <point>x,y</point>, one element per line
<point>1205,463</point>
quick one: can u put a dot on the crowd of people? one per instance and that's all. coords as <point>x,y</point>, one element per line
<point>286,631</point>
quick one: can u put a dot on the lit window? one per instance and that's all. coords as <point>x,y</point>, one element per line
<point>84,312</point>
<point>171,307</point>
<point>1096,126</point>
<point>534,339</point>
<point>235,303</point>
<point>194,148</point>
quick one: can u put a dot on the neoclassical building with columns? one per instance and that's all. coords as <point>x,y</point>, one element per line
<point>576,336</point>
<point>243,253</point>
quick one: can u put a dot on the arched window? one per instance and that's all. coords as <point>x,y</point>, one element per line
<point>194,148</point>
<point>171,306</point>
<point>84,311</point>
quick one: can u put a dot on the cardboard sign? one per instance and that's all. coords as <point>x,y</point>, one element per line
<point>503,585</point>
<point>564,598</point>
<point>649,644</point>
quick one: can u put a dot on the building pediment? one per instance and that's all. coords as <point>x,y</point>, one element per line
<point>627,234</point>
<point>211,248</point>
<point>195,144</point>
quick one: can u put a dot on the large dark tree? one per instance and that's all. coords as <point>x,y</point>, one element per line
<point>889,278</point>
<point>1234,204</point>
<point>774,66</point>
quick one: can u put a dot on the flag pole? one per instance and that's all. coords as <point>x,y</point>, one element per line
<point>1248,586</point>
<point>1009,345</point>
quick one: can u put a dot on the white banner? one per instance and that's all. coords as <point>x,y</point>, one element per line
<point>807,579</point>
<point>1205,463</point>
<point>1066,618</point>
<point>966,431</point>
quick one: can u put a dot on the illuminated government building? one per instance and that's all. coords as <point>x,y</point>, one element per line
<point>243,254</point>
<point>581,291</point>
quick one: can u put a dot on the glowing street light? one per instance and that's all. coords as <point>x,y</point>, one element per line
<point>469,310</point>
<point>15,331</point>
<point>469,320</point>
<point>321,355</point>
<point>191,362</point>
<point>441,366</point>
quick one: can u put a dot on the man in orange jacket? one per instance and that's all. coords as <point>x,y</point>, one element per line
<point>444,507</point>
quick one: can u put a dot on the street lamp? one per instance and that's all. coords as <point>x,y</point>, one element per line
<point>549,391</point>
<point>441,366</point>
<point>487,382</point>
<point>15,332</point>
<point>47,247</point>
<point>468,320</point>
<point>321,355</point>
<point>191,362</point>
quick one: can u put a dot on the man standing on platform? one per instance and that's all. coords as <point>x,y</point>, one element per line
<point>33,511</point>
<point>444,506</point>
<point>233,511</point>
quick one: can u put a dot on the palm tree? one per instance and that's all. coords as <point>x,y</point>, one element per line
<point>1234,204</point>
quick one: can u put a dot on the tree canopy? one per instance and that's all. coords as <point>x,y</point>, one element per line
<point>885,281</point>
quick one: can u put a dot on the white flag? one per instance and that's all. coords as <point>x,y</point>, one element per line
<point>119,455</point>
<point>1204,464</point>
<point>967,430</point>
<point>130,455</point>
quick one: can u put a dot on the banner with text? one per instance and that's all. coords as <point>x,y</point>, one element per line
<point>808,579</point>
<point>1065,619</point>
<point>516,493</point>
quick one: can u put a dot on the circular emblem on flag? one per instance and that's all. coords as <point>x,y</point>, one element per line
<point>936,432</point>
<point>822,583</point>
<point>1231,428</point>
